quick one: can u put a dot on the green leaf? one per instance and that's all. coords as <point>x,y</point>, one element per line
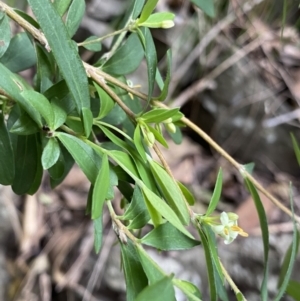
<point>95,46</point>
<point>290,257</point>
<point>296,148</point>
<point>293,290</point>
<point>74,16</point>
<point>26,163</point>
<point>7,162</point>
<point>249,167</point>
<point>4,34</point>
<point>137,210</point>
<point>213,247</point>
<point>20,54</point>
<point>216,194</point>
<point>87,117</point>
<point>158,136</point>
<point>60,115</point>
<point>24,125</point>
<point>166,238</point>
<point>135,277</point>
<point>86,158</point>
<point>115,116</point>
<point>190,290</point>
<point>151,268</point>
<point>161,290</point>
<point>41,104</point>
<point>61,6</point>
<point>157,20</point>
<point>101,188</point>
<point>106,102</point>
<point>156,217</point>
<point>28,18</point>
<point>64,51</point>
<point>98,233</point>
<point>170,191</point>
<point>147,10</point>
<point>206,5</point>
<point>61,168</point>
<point>265,235</point>
<point>136,8</point>
<point>151,58</point>
<point>127,58</point>
<point>165,210</point>
<point>187,194</point>
<point>164,93</point>
<point>177,136</point>
<point>209,265</point>
<point>159,115</point>
<point>45,69</point>
<point>138,143</point>
<point>51,153</point>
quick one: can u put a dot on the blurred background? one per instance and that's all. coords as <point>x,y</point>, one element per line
<point>237,76</point>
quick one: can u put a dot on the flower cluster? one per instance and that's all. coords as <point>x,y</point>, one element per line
<point>227,228</point>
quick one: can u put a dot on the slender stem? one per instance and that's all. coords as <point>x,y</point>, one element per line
<point>230,281</point>
<point>103,38</point>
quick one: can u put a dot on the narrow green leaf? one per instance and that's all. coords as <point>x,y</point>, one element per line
<point>87,117</point>
<point>187,194</point>
<point>177,136</point>
<point>137,210</point>
<point>206,5</point>
<point>86,158</point>
<point>156,217</point>
<point>159,115</point>
<point>28,18</point>
<point>161,290</point>
<point>265,235</point>
<point>129,56</point>
<point>151,268</point>
<point>5,34</point>
<point>165,210</point>
<point>209,264</point>
<point>290,257</point>
<point>7,162</point>
<point>151,58</point>
<point>41,104</point>
<point>296,148</point>
<point>158,136</point>
<point>136,8</point>
<point>106,102</point>
<point>216,194</point>
<point>74,16</point>
<point>137,138</point>
<point>101,188</point>
<point>51,153</point>
<point>98,233</point>
<point>293,290</point>
<point>45,69</point>
<point>20,54</point>
<point>61,168</point>
<point>64,51</point>
<point>190,290</point>
<point>26,164</point>
<point>24,125</point>
<point>170,191</point>
<point>95,46</point>
<point>213,247</point>
<point>147,10</point>
<point>135,277</point>
<point>156,20</point>
<point>61,6</point>
<point>164,93</point>
<point>116,116</point>
<point>166,238</point>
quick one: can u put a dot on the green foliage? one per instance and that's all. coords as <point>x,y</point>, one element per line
<point>57,121</point>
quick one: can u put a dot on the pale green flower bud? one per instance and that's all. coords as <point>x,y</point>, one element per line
<point>149,139</point>
<point>167,24</point>
<point>170,127</point>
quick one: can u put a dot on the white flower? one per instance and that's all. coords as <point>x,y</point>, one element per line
<point>228,229</point>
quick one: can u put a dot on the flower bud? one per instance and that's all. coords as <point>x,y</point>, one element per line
<point>167,24</point>
<point>149,139</point>
<point>170,127</point>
